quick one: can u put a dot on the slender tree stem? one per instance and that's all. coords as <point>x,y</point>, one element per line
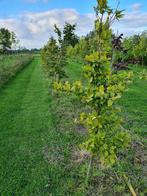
<point>129,185</point>
<point>142,60</point>
<point>113,59</point>
<point>88,171</point>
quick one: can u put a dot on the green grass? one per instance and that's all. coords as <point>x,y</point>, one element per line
<point>38,139</point>
<point>134,105</point>
<point>25,125</point>
<point>73,70</point>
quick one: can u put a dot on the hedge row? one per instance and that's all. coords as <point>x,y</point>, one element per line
<point>11,64</point>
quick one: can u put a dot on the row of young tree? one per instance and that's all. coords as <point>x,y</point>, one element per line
<point>54,53</point>
<point>136,47</point>
<point>10,65</point>
<point>133,49</point>
<point>103,85</point>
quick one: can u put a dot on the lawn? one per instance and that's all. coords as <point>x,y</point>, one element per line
<point>134,105</point>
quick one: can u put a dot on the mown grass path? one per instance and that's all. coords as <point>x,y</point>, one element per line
<point>25,125</point>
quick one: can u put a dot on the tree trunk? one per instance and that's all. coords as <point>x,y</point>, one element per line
<point>142,60</point>
<point>113,59</point>
<point>88,171</point>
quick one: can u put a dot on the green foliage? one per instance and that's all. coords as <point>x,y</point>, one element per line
<point>136,48</point>
<point>141,49</point>
<point>81,49</point>
<point>7,38</point>
<point>69,36</point>
<point>54,53</point>
<point>143,75</point>
<point>52,62</point>
<point>103,88</point>
<point>133,49</point>
<point>59,34</point>
<point>92,42</point>
<point>66,39</point>
<point>106,136</point>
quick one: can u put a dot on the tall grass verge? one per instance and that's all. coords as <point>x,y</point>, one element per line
<point>11,64</point>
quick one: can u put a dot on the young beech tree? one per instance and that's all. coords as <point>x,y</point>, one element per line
<point>66,39</point>
<point>106,136</point>
<point>52,61</point>
<point>54,53</point>
<point>68,36</point>
<point>141,47</point>
<point>82,48</point>
<point>136,48</point>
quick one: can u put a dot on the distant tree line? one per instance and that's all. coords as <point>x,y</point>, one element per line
<point>9,43</point>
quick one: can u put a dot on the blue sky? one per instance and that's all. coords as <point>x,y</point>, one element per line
<point>83,6</point>
<point>33,19</point>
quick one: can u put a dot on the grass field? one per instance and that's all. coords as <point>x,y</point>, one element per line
<point>134,105</point>
<point>38,141</point>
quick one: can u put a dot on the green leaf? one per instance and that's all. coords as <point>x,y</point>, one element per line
<point>110,103</point>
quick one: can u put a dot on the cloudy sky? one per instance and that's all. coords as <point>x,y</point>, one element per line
<point>33,20</point>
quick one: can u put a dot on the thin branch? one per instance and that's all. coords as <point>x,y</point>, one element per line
<point>129,185</point>
<point>112,18</point>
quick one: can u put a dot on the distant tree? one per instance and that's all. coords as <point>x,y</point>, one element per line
<point>141,48</point>
<point>81,49</point>
<point>136,47</point>
<point>59,34</point>
<point>52,61</point>
<point>68,36</point>
<point>54,53</point>
<point>62,49</point>
<point>7,39</point>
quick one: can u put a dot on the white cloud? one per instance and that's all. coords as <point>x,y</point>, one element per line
<point>136,6</point>
<point>34,29</point>
<point>133,23</point>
